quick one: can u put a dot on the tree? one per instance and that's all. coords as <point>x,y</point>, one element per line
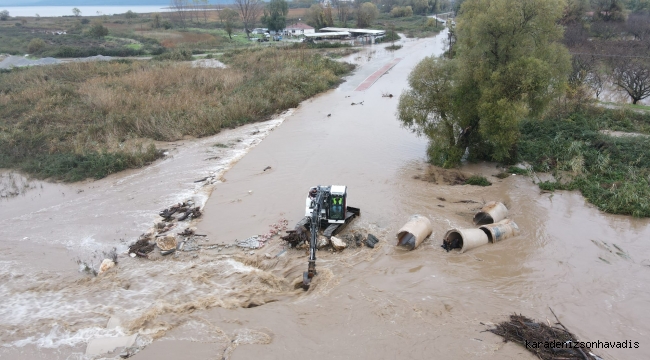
<point>633,76</point>
<point>508,65</point>
<point>130,15</point>
<point>156,20</point>
<point>367,14</point>
<point>316,16</point>
<point>609,10</point>
<point>97,30</point>
<point>275,15</point>
<point>249,10</point>
<point>4,15</point>
<point>342,11</point>
<point>76,12</point>
<point>574,11</point>
<point>180,7</point>
<point>228,16</point>
<point>328,14</point>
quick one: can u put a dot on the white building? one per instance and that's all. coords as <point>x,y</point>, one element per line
<point>298,29</point>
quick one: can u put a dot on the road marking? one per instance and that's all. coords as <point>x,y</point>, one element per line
<point>367,83</point>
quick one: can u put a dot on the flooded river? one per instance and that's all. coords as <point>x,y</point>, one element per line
<point>364,303</point>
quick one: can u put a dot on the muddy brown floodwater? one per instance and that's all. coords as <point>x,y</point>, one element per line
<point>364,303</point>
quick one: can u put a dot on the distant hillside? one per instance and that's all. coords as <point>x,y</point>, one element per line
<point>85,2</point>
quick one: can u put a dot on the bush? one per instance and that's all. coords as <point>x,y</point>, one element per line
<point>35,46</point>
<point>477,180</point>
<point>85,21</point>
<point>177,55</point>
<point>401,11</point>
<point>98,30</point>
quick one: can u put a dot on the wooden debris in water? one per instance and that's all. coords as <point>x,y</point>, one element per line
<point>545,341</point>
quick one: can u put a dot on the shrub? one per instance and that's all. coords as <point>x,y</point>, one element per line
<point>97,30</point>
<point>177,55</point>
<point>401,11</point>
<point>35,46</point>
<point>477,180</point>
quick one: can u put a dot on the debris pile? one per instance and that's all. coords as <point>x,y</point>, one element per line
<point>186,211</point>
<point>545,341</point>
<point>258,241</point>
<point>142,247</point>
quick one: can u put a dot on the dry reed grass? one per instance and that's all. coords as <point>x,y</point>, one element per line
<point>102,107</point>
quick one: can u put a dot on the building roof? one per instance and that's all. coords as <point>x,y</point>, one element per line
<point>354,31</point>
<point>299,26</point>
<point>328,34</point>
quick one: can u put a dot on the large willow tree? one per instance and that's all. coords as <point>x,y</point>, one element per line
<point>508,65</point>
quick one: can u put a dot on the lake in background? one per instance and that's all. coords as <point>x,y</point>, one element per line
<point>98,10</point>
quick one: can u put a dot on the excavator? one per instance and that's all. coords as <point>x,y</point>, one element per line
<point>325,208</point>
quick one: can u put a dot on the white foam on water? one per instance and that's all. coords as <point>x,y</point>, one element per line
<point>51,310</point>
<point>59,336</point>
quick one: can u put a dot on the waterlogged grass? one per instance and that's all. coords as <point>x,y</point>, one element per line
<point>80,120</point>
<point>611,172</point>
<point>478,181</point>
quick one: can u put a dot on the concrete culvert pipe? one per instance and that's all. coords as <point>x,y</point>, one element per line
<point>414,232</point>
<point>492,212</point>
<point>502,230</point>
<point>464,239</point>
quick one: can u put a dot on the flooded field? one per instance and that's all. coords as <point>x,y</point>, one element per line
<point>364,303</point>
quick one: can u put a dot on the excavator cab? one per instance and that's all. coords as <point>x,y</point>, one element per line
<point>337,204</point>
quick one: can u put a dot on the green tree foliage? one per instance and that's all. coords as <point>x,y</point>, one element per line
<point>97,30</point>
<point>228,16</point>
<point>76,12</point>
<point>4,15</point>
<point>275,15</point>
<point>367,14</point>
<point>316,17</point>
<point>575,11</point>
<point>508,66</point>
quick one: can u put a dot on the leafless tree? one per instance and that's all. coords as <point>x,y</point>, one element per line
<point>633,76</point>
<point>342,10</point>
<point>250,11</point>
<point>180,7</point>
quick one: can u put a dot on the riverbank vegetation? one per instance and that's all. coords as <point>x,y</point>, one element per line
<point>80,120</point>
<point>581,151</point>
<point>508,92</point>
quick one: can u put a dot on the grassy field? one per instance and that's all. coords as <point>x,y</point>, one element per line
<point>612,172</point>
<point>81,120</point>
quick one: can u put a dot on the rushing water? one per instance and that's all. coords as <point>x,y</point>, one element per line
<point>364,303</point>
